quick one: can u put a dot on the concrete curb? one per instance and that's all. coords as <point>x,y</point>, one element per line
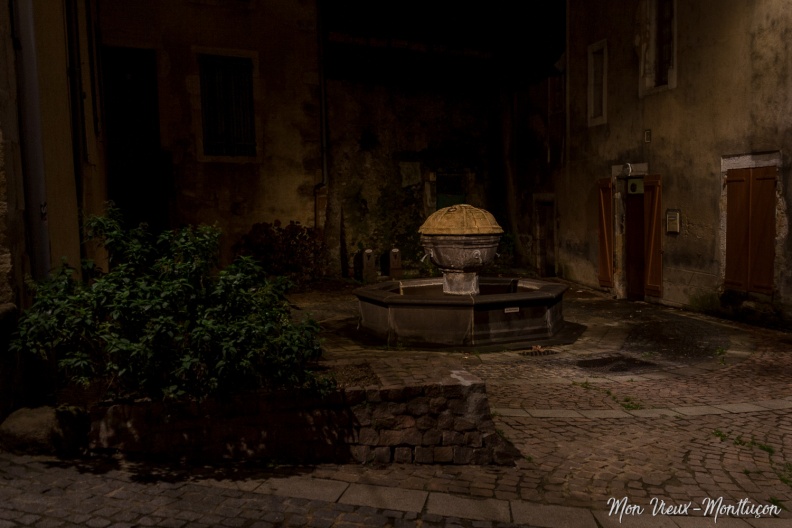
<point>523,513</point>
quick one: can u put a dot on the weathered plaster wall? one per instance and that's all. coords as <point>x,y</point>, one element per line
<point>281,34</point>
<point>6,271</point>
<point>13,262</point>
<point>54,120</point>
<point>588,158</point>
<point>769,120</point>
<point>731,97</point>
<point>386,145</point>
<point>9,156</point>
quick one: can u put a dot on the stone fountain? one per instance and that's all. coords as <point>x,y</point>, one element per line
<point>460,308</point>
<point>460,240</point>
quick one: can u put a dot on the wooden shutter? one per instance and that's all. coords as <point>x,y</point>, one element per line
<point>750,229</point>
<point>737,213</point>
<point>761,245</point>
<point>605,196</point>
<point>653,236</point>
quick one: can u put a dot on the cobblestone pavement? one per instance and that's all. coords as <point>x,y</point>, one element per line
<point>706,417</point>
<point>44,492</point>
<point>648,403</point>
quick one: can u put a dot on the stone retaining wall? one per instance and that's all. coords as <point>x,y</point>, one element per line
<point>447,423</point>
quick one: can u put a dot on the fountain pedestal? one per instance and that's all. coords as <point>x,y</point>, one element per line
<point>460,283</point>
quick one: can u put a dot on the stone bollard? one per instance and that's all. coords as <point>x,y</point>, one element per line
<point>395,264</point>
<point>369,266</point>
<point>365,266</point>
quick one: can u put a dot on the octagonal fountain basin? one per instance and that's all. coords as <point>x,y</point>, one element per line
<point>417,312</point>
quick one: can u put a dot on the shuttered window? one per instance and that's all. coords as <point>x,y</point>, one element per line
<point>750,229</point>
<point>605,194</point>
<point>227,105</point>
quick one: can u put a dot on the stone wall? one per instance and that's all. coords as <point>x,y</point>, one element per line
<point>440,423</point>
<point>13,254</point>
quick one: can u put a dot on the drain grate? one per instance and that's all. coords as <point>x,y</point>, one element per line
<point>538,351</point>
<point>616,363</point>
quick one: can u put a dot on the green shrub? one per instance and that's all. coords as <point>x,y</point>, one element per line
<point>163,322</point>
<point>293,251</point>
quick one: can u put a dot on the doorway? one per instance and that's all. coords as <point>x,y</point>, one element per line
<point>138,177</point>
<point>545,238</point>
<point>635,244</point>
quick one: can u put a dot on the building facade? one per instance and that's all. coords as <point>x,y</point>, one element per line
<point>180,112</point>
<point>676,179</point>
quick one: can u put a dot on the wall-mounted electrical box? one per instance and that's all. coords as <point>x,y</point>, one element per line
<point>673,221</point>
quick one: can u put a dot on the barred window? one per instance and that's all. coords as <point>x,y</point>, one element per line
<point>227,105</point>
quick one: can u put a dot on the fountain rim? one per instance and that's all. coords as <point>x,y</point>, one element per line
<point>382,293</point>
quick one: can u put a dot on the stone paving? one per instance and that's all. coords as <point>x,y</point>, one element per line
<point>40,491</point>
<point>695,411</point>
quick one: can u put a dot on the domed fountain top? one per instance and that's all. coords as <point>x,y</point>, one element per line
<point>460,219</point>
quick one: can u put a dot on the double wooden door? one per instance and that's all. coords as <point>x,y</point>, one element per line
<point>643,238</point>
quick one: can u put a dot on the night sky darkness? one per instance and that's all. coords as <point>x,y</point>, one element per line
<point>505,41</point>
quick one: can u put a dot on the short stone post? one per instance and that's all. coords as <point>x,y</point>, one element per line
<point>364,265</point>
<point>395,264</point>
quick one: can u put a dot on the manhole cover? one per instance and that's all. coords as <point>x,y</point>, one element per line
<point>617,363</point>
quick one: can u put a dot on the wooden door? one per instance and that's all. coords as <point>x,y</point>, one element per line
<point>653,237</point>
<point>605,231</point>
<point>737,214</point>
<point>761,247</point>
<point>750,229</point>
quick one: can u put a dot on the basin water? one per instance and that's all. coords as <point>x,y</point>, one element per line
<point>461,308</point>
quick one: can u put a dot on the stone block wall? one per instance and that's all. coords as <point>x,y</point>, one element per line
<point>440,423</point>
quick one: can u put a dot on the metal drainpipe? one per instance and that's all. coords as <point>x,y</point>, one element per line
<point>567,135</point>
<point>31,144</point>
<point>322,111</point>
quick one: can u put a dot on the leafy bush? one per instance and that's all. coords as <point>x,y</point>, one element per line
<point>165,323</point>
<point>293,251</point>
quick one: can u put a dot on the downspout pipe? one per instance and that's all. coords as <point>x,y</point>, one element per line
<point>319,187</point>
<point>31,145</point>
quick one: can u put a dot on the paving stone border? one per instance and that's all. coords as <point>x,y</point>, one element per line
<point>444,422</point>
